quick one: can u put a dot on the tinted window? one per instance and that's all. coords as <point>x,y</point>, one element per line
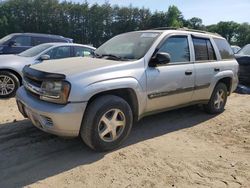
<point>59,52</point>
<point>224,48</point>
<point>22,41</point>
<point>178,49</point>
<point>39,40</point>
<point>211,53</point>
<point>203,49</point>
<point>82,52</point>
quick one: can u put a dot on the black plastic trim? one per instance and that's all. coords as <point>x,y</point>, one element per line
<point>41,75</point>
<point>177,91</point>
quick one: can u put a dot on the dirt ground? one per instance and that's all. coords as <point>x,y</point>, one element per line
<point>180,148</point>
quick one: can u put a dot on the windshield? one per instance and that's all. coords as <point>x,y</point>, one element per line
<point>32,52</point>
<point>5,39</point>
<point>132,45</point>
<point>245,50</point>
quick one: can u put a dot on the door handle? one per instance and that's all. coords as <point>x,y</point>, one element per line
<point>216,70</point>
<point>188,72</point>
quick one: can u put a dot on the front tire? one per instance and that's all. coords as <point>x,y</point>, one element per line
<point>107,123</point>
<point>9,83</point>
<point>218,99</point>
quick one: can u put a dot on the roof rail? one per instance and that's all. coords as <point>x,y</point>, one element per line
<point>185,29</point>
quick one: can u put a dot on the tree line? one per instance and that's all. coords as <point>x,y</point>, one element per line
<point>94,24</point>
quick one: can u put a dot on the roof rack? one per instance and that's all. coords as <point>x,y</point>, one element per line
<point>185,29</point>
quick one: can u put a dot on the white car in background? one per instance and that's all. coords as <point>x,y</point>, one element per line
<point>11,65</point>
<point>236,49</point>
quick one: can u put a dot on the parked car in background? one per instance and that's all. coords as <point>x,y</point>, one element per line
<point>11,65</point>
<point>243,58</point>
<point>18,42</point>
<point>235,49</point>
<point>133,75</point>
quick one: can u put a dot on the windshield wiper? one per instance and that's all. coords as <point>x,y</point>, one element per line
<point>112,56</point>
<point>97,55</point>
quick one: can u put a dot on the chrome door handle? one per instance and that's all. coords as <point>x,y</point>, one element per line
<point>188,72</point>
<point>216,70</point>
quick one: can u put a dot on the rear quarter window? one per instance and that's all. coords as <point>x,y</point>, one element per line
<point>225,50</point>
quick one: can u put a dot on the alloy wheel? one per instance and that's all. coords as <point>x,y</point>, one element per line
<point>7,85</point>
<point>111,125</point>
<point>219,99</point>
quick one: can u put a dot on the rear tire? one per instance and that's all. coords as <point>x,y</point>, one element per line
<point>218,99</point>
<point>9,83</point>
<point>107,122</point>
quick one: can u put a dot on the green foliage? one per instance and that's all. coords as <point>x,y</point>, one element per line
<point>174,17</point>
<point>195,23</point>
<point>94,24</point>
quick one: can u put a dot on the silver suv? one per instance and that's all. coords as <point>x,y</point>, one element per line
<point>132,75</point>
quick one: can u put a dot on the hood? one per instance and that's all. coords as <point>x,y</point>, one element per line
<point>76,65</point>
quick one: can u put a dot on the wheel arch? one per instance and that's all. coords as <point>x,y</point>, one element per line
<point>128,94</point>
<point>228,82</point>
<point>13,72</point>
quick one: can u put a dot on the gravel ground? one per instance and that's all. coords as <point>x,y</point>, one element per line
<point>180,148</point>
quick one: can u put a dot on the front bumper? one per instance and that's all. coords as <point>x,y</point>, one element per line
<point>62,120</point>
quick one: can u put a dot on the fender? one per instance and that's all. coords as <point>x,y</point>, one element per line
<point>219,76</point>
<point>112,84</point>
<point>14,71</point>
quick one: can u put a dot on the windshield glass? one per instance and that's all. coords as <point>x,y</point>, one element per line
<point>245,50</point>
<point>132,45</point>
<point>5,39</point>
<point>32,52</point>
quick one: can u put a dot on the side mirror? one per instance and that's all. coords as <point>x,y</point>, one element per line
<point>160,58</point>
<point>11,43</point>
<point>44,57</point>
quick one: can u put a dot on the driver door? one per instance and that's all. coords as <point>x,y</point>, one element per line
<point>20,44</point>
<point>171,84</point>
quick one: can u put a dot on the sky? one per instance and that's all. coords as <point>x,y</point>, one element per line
<point>210,11</point>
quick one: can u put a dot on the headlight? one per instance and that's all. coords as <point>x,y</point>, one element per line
<point>55,91</point>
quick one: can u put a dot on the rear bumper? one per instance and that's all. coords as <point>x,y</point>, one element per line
<point>62,120</point>
<point>235,83</point>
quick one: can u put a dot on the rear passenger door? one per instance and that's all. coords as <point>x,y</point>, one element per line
<point>206,66</point>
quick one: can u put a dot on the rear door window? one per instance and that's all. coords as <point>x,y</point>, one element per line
<point>82,51</point>
<point>203,49</point>
<point>225,50</point>
<point>22,41</point>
